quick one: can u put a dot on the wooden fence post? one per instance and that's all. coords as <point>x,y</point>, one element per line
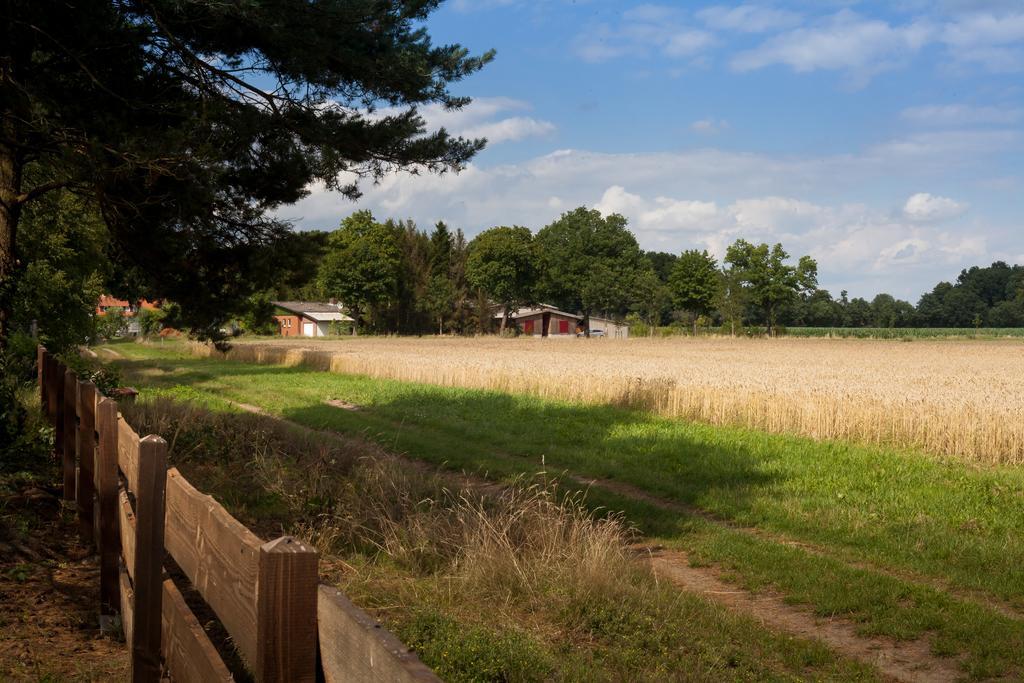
<point>149,559</point>
<point>86,458</point>
<point>108,536</point>
<point>286,603</point>
<point>57,401</point>
<point>69,433</point>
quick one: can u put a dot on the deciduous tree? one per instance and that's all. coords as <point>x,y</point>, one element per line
<point>694,283</point>
<point>769,280</point>
<point>588,263</point>
<point>502,263</point>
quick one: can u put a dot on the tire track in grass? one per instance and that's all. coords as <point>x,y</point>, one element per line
<point>900,660</point>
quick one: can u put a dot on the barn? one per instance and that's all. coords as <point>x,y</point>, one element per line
<point>548,321</point>
<point>311,319</point>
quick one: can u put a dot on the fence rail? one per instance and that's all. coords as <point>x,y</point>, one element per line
<point>136,511</point>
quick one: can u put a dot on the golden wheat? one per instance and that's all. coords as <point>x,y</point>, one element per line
<point>952,398</point>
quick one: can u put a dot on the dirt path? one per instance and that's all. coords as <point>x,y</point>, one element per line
<point>630,491</point>
<point>49,593</point>
<point>900,660</point>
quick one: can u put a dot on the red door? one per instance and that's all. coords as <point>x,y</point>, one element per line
<point>528,327</point>
<point>563,327</point>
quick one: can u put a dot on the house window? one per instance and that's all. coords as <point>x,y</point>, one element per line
<point>563,327</point>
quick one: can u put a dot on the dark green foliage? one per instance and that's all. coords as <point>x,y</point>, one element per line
<point>361,267</point>
<point>694,283</point>
<point>769,281</point>
<point>502,264</point>
<point>112,324</point>
<point>258,317</point>
<point>189,121</point>
<point>588,263</point>
<point>62,244</point>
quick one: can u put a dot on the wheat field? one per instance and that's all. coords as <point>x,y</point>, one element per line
<point>950,398</point>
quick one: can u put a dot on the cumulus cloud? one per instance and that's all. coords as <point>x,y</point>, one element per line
<point>845,41</point>
<point>706,198</point>
<point>642,31</point>
<point>748,18</point>
<point>990,39</point>
<point>484,117</point>
<point>923,207</point>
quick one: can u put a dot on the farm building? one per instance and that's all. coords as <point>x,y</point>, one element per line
<point>311,319</point>
<point>129,309</point>
<point>548,321</point>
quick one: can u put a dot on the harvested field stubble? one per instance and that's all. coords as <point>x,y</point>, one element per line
<point>950,398</point>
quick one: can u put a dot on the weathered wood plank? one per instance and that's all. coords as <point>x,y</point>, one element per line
<point>129,531</point>
<point>147,579</point>
<point>70,433</point>
<point>127,600</point>
<point>219,555</point>
<point>354,648</point>
<point>128,453</point>
<point>86,458</point>
<point>286,599</point>
<point>108,537</point>
<point>188,653</point>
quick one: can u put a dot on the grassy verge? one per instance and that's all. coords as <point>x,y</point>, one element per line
<point>512,584</point>
<point>916,523</point>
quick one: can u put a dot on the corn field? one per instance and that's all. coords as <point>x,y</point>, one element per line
<point>950,398</point>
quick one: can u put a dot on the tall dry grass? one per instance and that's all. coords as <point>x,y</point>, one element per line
<point>347,496</point>
<point>962,399</point>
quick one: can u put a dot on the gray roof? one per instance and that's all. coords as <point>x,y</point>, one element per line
<point>306,306</point>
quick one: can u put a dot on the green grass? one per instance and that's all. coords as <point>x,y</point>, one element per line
<point>890,529</point>
<point>906,332</point>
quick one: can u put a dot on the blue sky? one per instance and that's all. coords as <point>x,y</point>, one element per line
<point>882,138</point>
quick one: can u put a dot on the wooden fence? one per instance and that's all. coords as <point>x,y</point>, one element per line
<point>267,596</point>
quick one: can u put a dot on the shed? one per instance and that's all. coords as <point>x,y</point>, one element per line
<point>311,319</point>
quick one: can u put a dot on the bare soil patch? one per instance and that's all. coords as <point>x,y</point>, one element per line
<point>900,660</point>
<point>49,592</point>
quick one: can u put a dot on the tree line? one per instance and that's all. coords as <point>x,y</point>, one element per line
<point>395,278</point>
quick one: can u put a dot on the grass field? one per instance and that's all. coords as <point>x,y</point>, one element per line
<point>907,332</point>
<point>901,544</point>
<point>951,398</point>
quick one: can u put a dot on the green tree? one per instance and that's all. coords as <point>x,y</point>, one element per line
<point>588,263</point>
<point>63,244</point>
<point>771,282</point>
<point>439,298</point>
<point>151,320</point>
<point>189,121</point>
<point>112,324</point>
<point>651,298</point>
<point>361,266</point>
<point>501,263</point>
<point>694,283</point>
<point>730,298</point>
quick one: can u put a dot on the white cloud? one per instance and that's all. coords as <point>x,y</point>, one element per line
<point>923,207</point>
<point>642,31</point>
<point>748,18</point>
<point>483,117</point>
<point>846,42</point>
<point>987,36</point>
<point>709,126</point>
<point>961,114</point>
<point>706,198</point>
